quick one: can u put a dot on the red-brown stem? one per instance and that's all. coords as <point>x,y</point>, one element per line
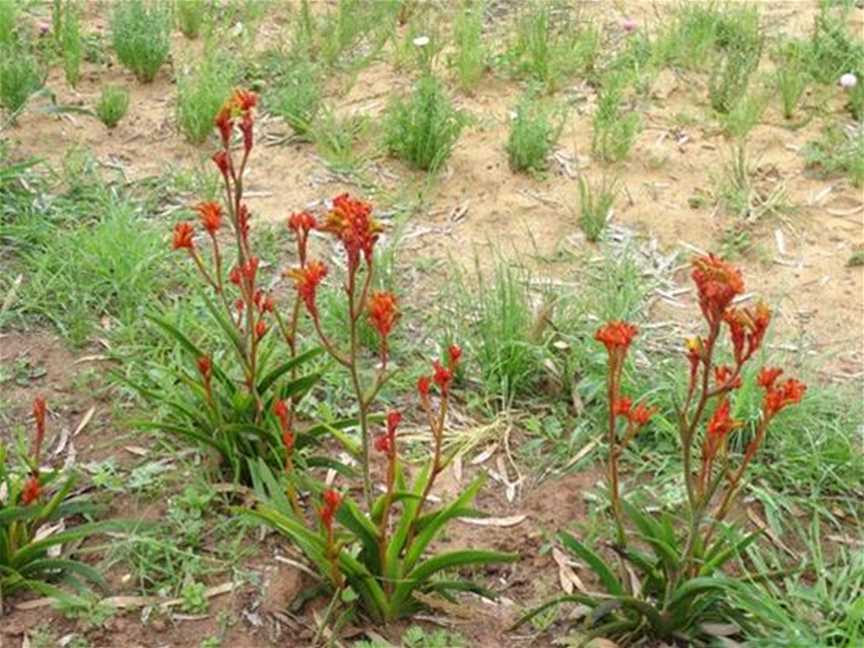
<point>435,464</point>
<point>613,390</point>
<point>385,514</point>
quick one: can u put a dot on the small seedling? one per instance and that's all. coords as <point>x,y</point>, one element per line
<point>534,130</point>
<point>595,203</point>
<point>614,130</point>
<point>297,98</point>
<point>112,106</point>
<point>141,33</point>
<point>424,128</point>
<point>190,16</point>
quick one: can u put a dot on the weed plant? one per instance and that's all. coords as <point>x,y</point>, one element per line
<point>297,96</point>
<point>424,128</point>
<point>534,130</point>
<point>549,47</point>
<point>201,90</point>
<point>838,151</point>
<point>190,16</point>
<point>745,114</point>
<point>141,35</point>
<point>71,45</point>
<point>470,58</point>
<point>335,138</point>
<point>833,50</point>
<point>595,204</point>
<point>21,76</point>
<point>113,105</point>
<point>791,75</point>
<point>614,130</point>
<point>731,69</point>
<point>8,24</point>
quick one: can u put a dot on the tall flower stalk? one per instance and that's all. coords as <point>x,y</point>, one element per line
<point>706,406</point>
<point>350,221</point>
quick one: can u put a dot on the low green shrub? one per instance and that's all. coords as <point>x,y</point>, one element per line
<point>113,105</point>
<point>534,129</point>
<point>424,128</point>
<point>141,35</point>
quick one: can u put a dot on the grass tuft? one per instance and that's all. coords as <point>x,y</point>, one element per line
<point>595,204</point>
<point>141,35</point>
<point>424,128</point>
<point>534,129</point>
<point>201,91</point>
<point>112,106</point>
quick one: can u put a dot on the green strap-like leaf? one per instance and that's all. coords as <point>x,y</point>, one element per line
<point>190,348</point>
<point>354,520</point>
<point>424,537</point>
<point>450,560</point>
<point>723,550</point>
<point>597,564</point>
<point>582,599</point>
<point>285,367</point>
<point>44,565</point>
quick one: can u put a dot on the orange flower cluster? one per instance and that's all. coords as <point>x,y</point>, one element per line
<point>302,223</point>
<point>616,336</point>
<point>350,220</point>
<point>383,315</point>
<point>332,501</point>
<point>240,104</point>
<point>306,281</point>
<point>718,283</point>
<point>386,442</point>
<point>779,396</point>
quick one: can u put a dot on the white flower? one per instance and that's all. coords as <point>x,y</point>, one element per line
<point>848,81</point>
<point>421,41</point>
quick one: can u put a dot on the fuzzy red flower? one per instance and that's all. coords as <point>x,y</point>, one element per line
<point>243,216</point>
<point>780,396</point>
<point>641,414</point>
<point>250,269</point>
<point>616,335</point>
<point>306,281</point>
<point>441,376</point>
<point>244,100</point>
<point>280,409</point>
<point>183,233</point>
<point>302,222</point>
<point>747,329</point>
<point>454,354</point>
<point>211,216</point>
<point>261,329</point>
<point>332,501</point>
<point>423,385</point>
<point>31,491</point>
<point>205,367</point>
<point>235,276</point>
<point>621,407</point>
<point>224,124</point>
<point>719,427</point>
<point>383,312</point>
<point>717,283</point>
<point>351,222</point>
<point>387,442</point>
<point>768,376</point>
<point>723,376</point>
<point>222,161</point>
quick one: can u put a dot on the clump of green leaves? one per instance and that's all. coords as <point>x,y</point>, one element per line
<point>8,23</point>
<point>550,46</point>
<point>424,128</point>
<point>141,35</point>
<point>297,96</point>
<point>703,29</point>
<point>190,16</point>
<point>833,50</point>
<point>594,205</point>
<point>733,64</point>
<point>614,130</point>
<point>21,76</point>
<point>839,151</point>
<point>469,59</point>
<point>791,76</point>
<point>69,38</point>
<point>201,91</point>
<point>113,105</point>
<point>33,498</point>
<point>534,129</point>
